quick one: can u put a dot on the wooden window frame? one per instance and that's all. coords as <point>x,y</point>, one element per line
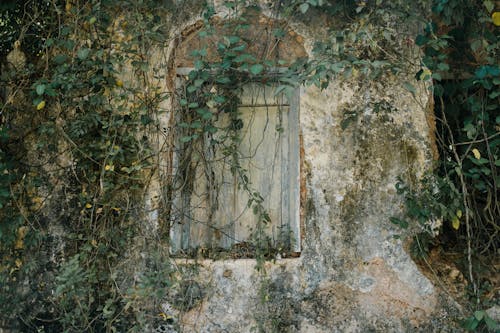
<point>292,196</point>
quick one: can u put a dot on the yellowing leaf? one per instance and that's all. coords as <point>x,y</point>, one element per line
<point>88,206</point>
<point>459,213</point>
<point>119,83</point>
<point>40,105</point>
<point>107,167</point>
<point>21,233</point>
<point>19,245</point>
<point>18,263</point>
<point>476,153</point>
<point>455,223</point>
<point>496,18</point>
<point>36,200</point>
<point>426,74</point>
<point>164,316</point>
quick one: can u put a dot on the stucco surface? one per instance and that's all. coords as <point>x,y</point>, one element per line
<point>353,275</point>
<point>358,136</point>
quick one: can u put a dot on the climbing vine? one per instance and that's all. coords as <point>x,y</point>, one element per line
<point>460,45</point>
<point>80,135</point>
<point>71,205</point>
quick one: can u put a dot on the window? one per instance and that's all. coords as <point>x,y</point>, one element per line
<point>239,187</point>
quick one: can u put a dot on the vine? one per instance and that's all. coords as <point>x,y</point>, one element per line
<point>80,136</point>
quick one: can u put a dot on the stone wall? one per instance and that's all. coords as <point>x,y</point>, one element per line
<point>357,137</point>
<point>353,275</point>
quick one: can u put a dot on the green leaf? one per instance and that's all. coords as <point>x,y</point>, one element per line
<point>234,39</point>
<point>279,90</point>
<point>279,33</point>
<point>220,99</point>
<point>146,120</point>
<point>60,59</point>
<point>40,89</point>
<point>83,53</point>
<point>198,64</point>
<point>489,5</point>
<point>37,101</point>
<point>244,57</point>
<point>256,69</point>
<point>410,87</point>
<point>421,40</point>
<point>494,95</point>
<point>198,82</point>
<point>492,325</point>
<point>304,7</point>
<point>195,124</point>
<point>206,115</point>
<point>402,223</point>
<point>436,76</point>
<point>443,66</point>
<point>211,129</point>
<point>49,42</point>
<point>479,315</point>
<point>231,40</point>
<point>470,324</point>
<point>239,48</point>
<point>480,161</point>
<point>223,80</point>
<point>475,45</point>
<point>185,139</point>
<point>50,92</point>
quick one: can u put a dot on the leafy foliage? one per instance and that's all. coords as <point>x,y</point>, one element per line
<point>69,211</point>
<point>80,129</point>
<point>460,46</point>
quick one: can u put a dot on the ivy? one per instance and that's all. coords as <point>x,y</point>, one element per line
<point>71,107</point>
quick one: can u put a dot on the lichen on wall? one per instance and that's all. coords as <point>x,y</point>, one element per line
<point>357,136</point>
<point>353,275</point>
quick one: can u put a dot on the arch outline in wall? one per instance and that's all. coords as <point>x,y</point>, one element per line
<point>276,41</point>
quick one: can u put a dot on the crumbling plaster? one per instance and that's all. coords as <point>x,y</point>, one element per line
<point>352,275</point>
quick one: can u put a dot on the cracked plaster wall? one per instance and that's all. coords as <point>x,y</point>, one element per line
<point>352,275</point>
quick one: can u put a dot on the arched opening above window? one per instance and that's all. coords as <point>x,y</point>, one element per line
<point>263,38</point>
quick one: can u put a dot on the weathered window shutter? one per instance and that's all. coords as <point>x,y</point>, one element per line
<point>214,211</point>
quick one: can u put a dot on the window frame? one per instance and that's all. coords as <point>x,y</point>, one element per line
<point>293,161</point>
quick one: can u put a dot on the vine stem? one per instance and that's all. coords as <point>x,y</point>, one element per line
<point>465,203</point>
